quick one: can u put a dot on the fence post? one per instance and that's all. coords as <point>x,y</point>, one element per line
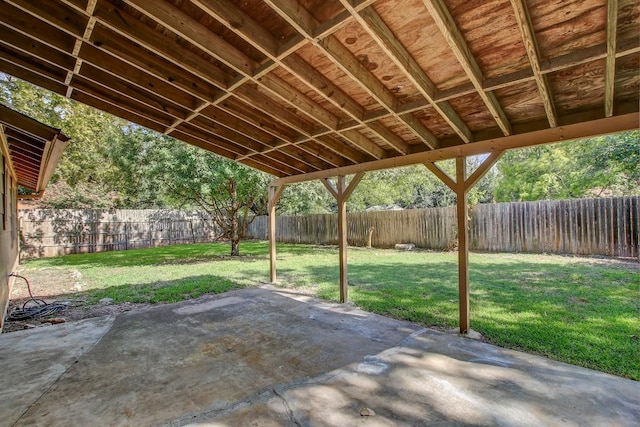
<point>126,236</point>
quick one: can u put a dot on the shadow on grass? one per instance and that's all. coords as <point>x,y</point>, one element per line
<point>164,255</point>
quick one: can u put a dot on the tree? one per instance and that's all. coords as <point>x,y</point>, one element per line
<point>230,193</point>
<point>601,166</point>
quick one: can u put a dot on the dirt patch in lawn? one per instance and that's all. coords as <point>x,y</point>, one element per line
<point>70,314</point>
<point>57,285</point>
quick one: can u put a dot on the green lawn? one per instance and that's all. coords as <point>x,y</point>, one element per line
<point>582,311</point>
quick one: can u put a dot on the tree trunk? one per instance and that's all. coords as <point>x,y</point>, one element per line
<point>235,247</point>
<point>234,234</point>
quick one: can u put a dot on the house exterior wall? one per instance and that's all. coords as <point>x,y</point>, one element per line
<point>9,237</point>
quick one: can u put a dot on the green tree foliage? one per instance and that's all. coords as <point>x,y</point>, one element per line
<point>232,194</point>
<point>305,198</point>
<point>595,167</point>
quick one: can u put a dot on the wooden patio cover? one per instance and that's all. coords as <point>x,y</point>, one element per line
<point>311,89</point>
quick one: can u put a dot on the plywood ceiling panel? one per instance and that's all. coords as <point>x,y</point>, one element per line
<point>294,87</point>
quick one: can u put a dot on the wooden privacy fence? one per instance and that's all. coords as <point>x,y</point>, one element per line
<point>51,232</point>
<point>433,228</point>
<point>607,227</point>
<point>601,226</point>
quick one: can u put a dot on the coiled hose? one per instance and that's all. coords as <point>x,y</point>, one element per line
<point>34,307</point>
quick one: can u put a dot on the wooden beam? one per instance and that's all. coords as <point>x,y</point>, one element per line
<point>325,29</point>
<point>297,99</point>
<point>610,71</point>
<point>123,24</point>
<point>11,38</point>
<point>240,23</point>
<point>244,26</point>
<point>275,191</point>
<point>91,5</point>
<point>266,105</point>
<point>305,23</point>
<point>442,175</point>
<point>551,65</point>
<point>578,130</point>
<point>256,164</point>
<point>296,15</point>
<point>347,61</point>
<point>528,37</point>
<point>364,143</point>
<point>453,36</point>
<point>320,152</point>
<point>482,169</point>
<point>353,184</point>
<point>188,28</point>
<point>341,148</point>
<point>385,38</point>
<point>463,247</point>
<point>421,130</point>
<point>331,188</point>
<point>385,134</point>
<point>65,17</point>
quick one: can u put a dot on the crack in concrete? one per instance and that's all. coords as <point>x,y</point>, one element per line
<point>292,417</point>
<point>216,413</point>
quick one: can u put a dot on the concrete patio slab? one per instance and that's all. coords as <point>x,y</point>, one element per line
<point>265,357</point>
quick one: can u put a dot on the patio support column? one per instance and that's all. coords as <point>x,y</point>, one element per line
<point>342,239</point>
<point>341,193</point>
<point>274,195</point>
<point>463,248</point>
<point>461,187</point>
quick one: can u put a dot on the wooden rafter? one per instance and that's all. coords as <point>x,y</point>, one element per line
<point>191,30</point>
<point>385,38</point>
<point>610,72</point>
<point>548,66</point>
<point>454,38</point>
<point>194,64</point>
<point>306,24</point>
<point>76,48</point>
<point>531,46</point>
<point>297,101</point>
<point>251,32</point>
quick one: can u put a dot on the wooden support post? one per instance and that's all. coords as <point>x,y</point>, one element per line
<point>461,187</point>
<point>274,195</point>
<point>342,239</point>
<point>463,247</point>
<point>341,193</point>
